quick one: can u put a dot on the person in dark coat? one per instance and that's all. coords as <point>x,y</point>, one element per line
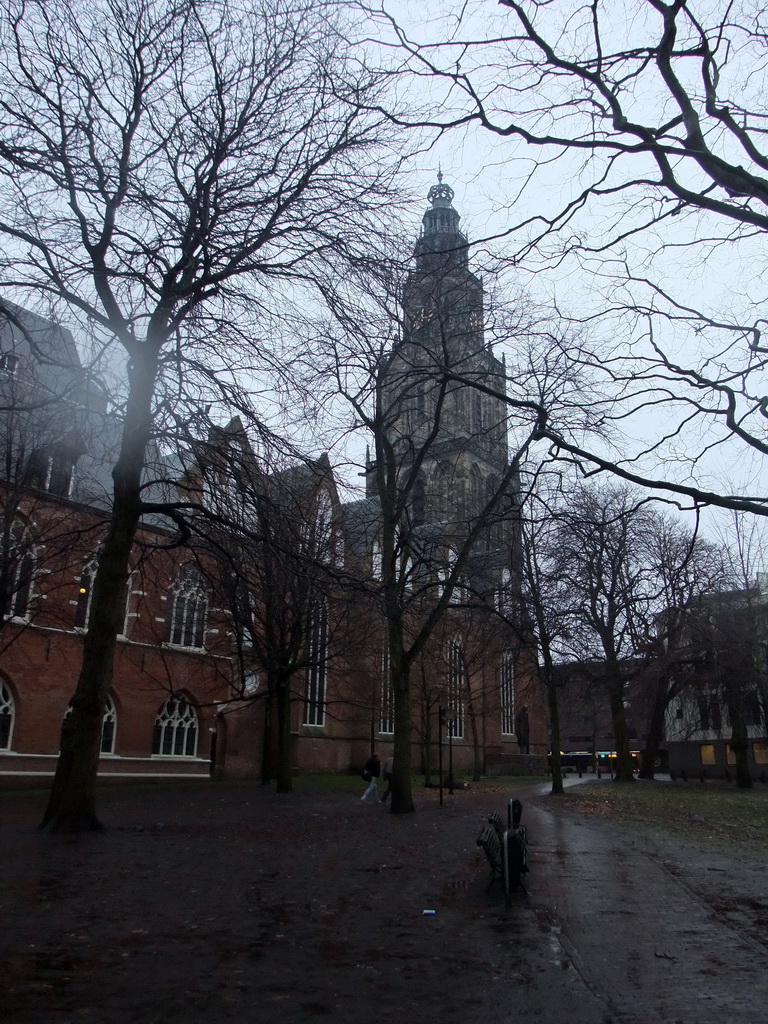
<point>371,772</point>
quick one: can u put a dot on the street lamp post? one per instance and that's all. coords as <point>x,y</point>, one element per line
<point>440,721</point>
<point>450,714</point>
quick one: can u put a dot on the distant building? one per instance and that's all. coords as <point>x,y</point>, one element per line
<point>724,699</point>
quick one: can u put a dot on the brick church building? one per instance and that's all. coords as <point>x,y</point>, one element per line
<point>192,692</point>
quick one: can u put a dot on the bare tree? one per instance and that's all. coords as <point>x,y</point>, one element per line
<point>547,600</point>
<point>601,539</point>
<point>274,526</point>
<point>685,569</point>
<point>164,166</point>
<point>432,396</point>
<point>648,117</point>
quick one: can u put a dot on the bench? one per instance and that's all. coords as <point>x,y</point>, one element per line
<point>506,848</point>
<point>490,842</point>
<point>495,819</point>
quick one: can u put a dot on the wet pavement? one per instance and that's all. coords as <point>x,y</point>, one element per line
<point>227,903</point>
<point>655,931</point>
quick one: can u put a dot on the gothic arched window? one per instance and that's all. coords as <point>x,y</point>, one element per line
<point>437,497</point>
<point>504,603</point>
<point>458,594</point>
<point>387,715</point>
<point>7,716</point>
<point>507,680</point>
<point>475,489</point>
<point>317,663</point>
<point>175,729</point>
<point>189,609</point>
<point>324,526</point>
<point>20,570</point>
<point>376,560</point>
<point>419,500</point>
<point>456,688</point>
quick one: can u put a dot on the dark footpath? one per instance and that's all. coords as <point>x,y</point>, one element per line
<point>228,903</point>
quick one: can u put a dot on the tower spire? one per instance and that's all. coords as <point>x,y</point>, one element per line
<point>440,233</point>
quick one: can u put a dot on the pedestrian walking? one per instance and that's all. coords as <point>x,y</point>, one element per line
<point>371,773</point>
<point>387,772</point>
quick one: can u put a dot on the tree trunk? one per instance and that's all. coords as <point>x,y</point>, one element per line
<point>402,795</point>
<point>554,731</point>
<point>428,744</point>
<point>650,752</point>
<point>473,725</point>
<point>620,729</point>
<point>72,802</point>
<point>266,749</point>
<point>740,746</point>
<point>284,774</point>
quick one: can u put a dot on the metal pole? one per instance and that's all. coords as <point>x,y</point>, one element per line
<point>451,720</point>
<point>440,718</point>
<point>450,757</point>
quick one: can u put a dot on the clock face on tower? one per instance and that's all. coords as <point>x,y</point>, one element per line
<point>422,316</point>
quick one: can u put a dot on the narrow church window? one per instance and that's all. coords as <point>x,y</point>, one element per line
<point>504,603</point>
<point>324,527</point>
<point>20,569</point>
<point>419,501</point>
<point>60,470</point>
<point>314,710</point>
<point>108,728</point>
<point>387,716</point>
<point>456,688</point>
<point>376,561</point>
<point>176,729</point>
<point>507,694</point>
<point>458,594</point>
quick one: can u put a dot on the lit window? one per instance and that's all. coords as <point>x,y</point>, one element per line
<point>760,753</point>
<point>85,594</point>
<point>175,729</point>
<point>707,751</point>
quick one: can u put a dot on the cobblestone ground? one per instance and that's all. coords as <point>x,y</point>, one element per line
<point>228,903</point>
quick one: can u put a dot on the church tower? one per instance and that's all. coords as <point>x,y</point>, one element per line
<point>444,384</point>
